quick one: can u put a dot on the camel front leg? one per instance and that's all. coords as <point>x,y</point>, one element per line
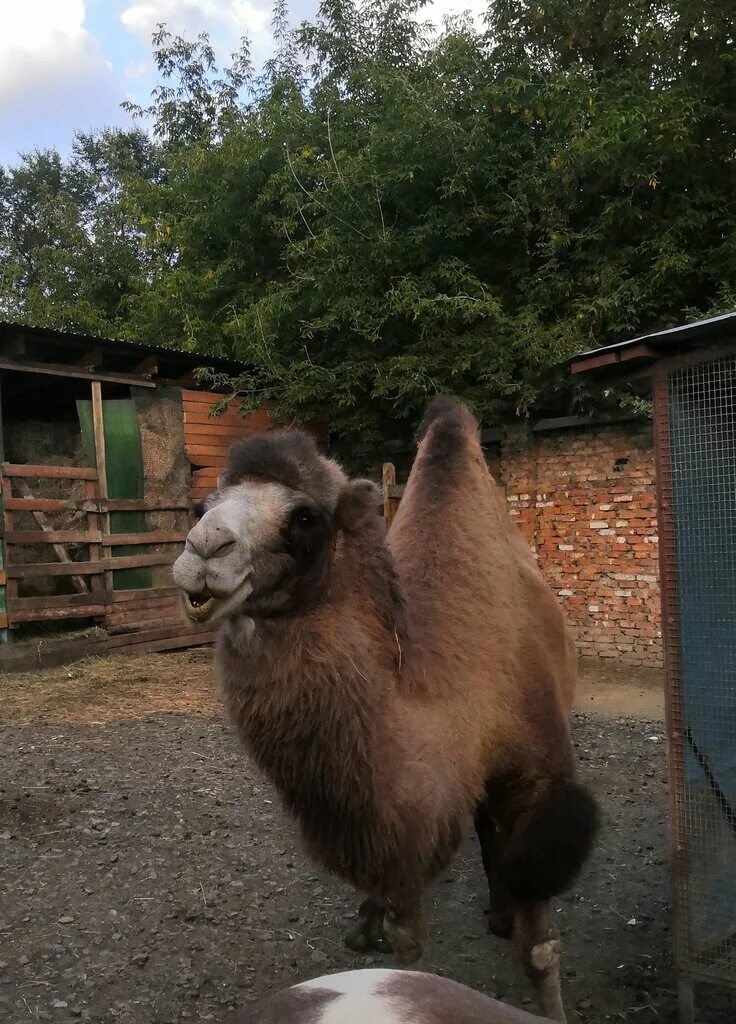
<point>367,934</point>
<point>537,945</point>
<point>405,926</point>
<point>501,913</point>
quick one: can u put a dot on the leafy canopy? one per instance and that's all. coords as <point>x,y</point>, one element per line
<point>383,212</point>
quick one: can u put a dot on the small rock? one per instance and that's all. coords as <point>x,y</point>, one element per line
<point>318,957</point>
<point>66,919</point>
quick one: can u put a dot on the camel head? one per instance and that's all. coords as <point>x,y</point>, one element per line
<point>264,541</point>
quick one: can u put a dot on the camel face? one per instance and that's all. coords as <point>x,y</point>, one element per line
<point>250,551</point>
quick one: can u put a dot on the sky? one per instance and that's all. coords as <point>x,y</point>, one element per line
<point>67,65</point>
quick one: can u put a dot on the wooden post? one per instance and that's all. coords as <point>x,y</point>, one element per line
<point>98,426</point>
<point>389,481</point>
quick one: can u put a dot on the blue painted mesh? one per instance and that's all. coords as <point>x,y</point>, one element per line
<point>702,414</point>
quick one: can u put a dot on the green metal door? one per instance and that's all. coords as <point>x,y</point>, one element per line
<point>124,477</point>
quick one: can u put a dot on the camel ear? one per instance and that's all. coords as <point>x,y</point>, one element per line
<point>359,500</point>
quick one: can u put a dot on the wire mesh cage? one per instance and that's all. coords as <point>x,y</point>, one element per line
<point>695,421</point>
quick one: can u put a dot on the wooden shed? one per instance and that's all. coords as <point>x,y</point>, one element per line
<point>692,373</point>
<point>103,447</point>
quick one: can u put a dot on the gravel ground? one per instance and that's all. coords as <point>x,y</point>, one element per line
<point>147,875</point>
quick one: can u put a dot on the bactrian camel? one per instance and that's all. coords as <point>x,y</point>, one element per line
<point>382,997</point>
<point>396,688</point>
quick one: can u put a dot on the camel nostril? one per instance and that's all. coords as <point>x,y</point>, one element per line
<point>224,549</point>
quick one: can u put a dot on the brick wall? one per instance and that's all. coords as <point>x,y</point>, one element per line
<point>586,501</point>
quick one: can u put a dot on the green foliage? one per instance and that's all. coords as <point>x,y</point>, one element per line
<point>384,212</point>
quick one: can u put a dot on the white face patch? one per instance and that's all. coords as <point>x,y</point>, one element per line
<point>214,571</point>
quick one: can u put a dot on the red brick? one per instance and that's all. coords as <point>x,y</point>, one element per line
<point>556,485</point>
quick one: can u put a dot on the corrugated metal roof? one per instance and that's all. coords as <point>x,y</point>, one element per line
<point>63,334</point>
<point>685,334</point>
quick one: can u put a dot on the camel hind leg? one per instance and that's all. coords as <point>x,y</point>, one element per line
<point>549,829</point>
<point>537,947</point>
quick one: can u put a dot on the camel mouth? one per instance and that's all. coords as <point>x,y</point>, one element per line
<point>204,606</point>
<point>199,607</point>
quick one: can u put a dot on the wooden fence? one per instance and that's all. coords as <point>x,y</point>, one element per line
<point>138,620</point>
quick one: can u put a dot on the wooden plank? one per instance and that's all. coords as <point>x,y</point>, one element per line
<point>241,428</point>
<point>96,505</point>
<point>161,633</point>
<point>3,578</point>
<point>84,611</point>
<point>154,537</point>
<point>213,440</point>
<point>58,370</point>
<point>49,472</point>
<point>212,428</point>
<point>125,596</point>
<point>29,656</point>
<point>143,505</point>
<point>42,569</point>
<point>3,620</point>
<point>170,644</point>
<point>123,608</point>
<point>53,537</point>
<point>144,618</point>
<point>138,561</point>
<point>38,505</point>
<point>396,491</point>
<point>211,451</point>
<point>57,601</point>
<point>142,621</point>
<point>200,397</point>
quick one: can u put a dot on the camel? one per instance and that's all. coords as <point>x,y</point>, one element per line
<point>382,997</point>
<point>397,688</point>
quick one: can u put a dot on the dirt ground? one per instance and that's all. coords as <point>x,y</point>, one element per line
<point>147,874</point>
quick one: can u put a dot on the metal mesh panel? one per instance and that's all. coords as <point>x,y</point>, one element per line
<point>698,494</point>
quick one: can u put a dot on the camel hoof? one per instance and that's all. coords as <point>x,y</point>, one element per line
<point>357,940</point>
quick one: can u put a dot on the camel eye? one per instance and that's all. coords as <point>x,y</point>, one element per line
<point>303,518</point>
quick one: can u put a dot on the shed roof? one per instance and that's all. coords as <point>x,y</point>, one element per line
<point>646,349</point>
<point>29,346</point>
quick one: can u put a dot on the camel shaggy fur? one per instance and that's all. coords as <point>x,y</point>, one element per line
<point>397,688</point>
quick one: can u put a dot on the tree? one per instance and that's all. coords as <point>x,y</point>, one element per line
<point>382,213</point>
<point>71,250</point>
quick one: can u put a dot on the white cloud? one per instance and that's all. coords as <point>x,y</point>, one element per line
<point>43,43</point>
<point>225,20</point>
<point>139,70</point>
